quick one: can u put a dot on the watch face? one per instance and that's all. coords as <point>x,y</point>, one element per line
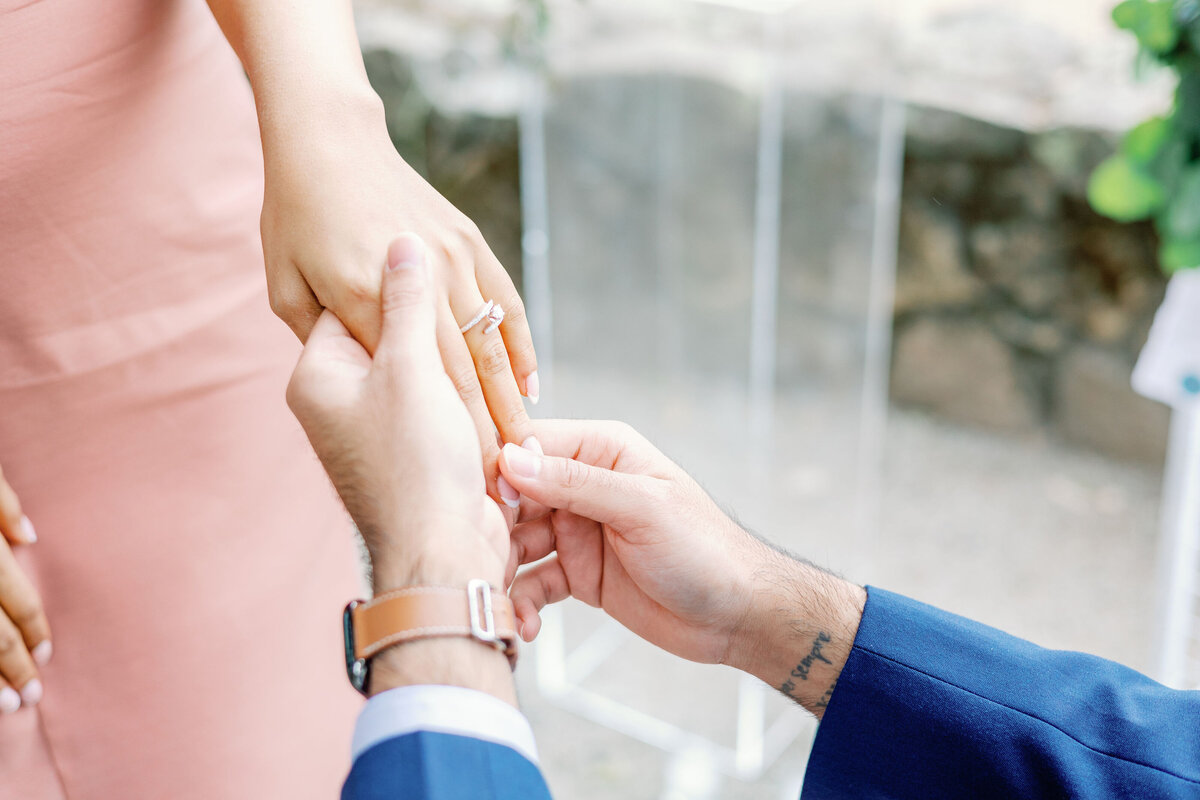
<point>356,668</point>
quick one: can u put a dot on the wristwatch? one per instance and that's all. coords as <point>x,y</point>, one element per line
<point>425,612</point>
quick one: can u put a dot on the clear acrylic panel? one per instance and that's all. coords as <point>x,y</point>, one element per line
<point>709,250</point>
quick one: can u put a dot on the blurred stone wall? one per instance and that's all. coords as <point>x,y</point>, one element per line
<point>1017,308</point>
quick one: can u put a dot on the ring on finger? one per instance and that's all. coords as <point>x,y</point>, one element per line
<point>489,311</point>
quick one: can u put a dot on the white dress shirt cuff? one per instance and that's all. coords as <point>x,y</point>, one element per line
<point>442,709</point>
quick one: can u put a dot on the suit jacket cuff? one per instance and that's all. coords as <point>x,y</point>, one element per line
<point>442,709</point>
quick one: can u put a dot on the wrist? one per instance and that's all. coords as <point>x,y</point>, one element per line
<point>444,662</point>
<point>296,118</point>
<point>798,629</point>
<point>442,552</point>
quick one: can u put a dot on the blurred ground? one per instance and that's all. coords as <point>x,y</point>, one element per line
<point>1044,541</point>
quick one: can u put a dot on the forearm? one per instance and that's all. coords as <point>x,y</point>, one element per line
<point>799,628</point>
<point>303,61</point>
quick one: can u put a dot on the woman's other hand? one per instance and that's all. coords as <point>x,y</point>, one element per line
<point>24,631</point>
<point>336,192</point>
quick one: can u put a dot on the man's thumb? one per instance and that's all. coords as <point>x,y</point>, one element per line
<point>407,296</point>
<point>599,494</point>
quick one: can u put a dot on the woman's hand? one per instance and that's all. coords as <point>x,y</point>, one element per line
<point>24,631</point>
<point>397,442</point>
<point>335,196</point>
<point>632,534</point>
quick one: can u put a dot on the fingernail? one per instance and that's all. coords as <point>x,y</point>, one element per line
<point>31,694</point>
<point>521,461</point>
<point>41,654</point>
<point>406,252</point>
<point>510,496</point>
<point>10,701</point>
<point>27,531</point>
<point>533,387</point>
<point>533,445</point>
<point>520,632</point>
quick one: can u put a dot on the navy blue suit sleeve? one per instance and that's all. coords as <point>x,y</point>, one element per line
<point>442,766</point>
<point>931,705</point>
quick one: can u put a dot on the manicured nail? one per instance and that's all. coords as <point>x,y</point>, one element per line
<point>533,388</point>
<point>406,252</point>
<point>510,496</point>
<point>31,694</point>
<point>27,531</point>
<point>10,701</point>
<point>41,654</point>
<point>521,461</point>
<point>533,445</point>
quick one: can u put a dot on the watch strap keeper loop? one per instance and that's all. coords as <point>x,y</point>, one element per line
<point>425,612</point>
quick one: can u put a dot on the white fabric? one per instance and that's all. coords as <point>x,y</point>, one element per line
<point>442,709</point>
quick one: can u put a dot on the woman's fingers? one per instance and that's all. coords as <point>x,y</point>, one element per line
<point>24,634</point>
<point>15,526</point>
<point>10,700</point>
<point>495,283</point>
<point>481,321</point>
<point>23,607</point>
<point>456,359</point>
<point>293,300</point>
<point>16,664</point>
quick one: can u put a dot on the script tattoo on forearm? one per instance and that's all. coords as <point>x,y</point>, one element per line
<point>824,701</point>
<point>805,666</point>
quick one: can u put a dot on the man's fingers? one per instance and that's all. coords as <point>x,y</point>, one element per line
<point>594,492</point>
<point>535,589</point>
<point>329,370</point>
<point>408,302</point>
<point>15,526</point>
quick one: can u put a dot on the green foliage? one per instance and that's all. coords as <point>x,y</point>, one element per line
<point>1156,172</point>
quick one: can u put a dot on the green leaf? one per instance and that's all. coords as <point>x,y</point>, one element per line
<point>1120,190</point>
<point>1152,21</point>
<point>1177,254</point>
<point>1128,15</point>
<point>1145,141</point>
<point>1183,216</point>
<point>1158,32</point>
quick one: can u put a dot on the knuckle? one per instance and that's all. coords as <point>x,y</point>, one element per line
<point>465,382</point>
<point>359,290</point>
<point>469,233</point>
<point>26,614</point>
<point>493,360</point>
<point>403,294</point>
<point>574,475</point>
<point>10,642</point>
<point>514,311</point>
<point>516,417</point>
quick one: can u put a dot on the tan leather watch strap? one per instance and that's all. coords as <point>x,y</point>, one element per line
<point>423,612</point>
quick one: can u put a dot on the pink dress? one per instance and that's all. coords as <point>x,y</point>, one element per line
<point>193,558</point>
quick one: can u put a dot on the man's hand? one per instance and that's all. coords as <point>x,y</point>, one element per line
<point>397,441</point>
<point>330,209</point>
<point>337,191</point>
<point>631,533</point>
